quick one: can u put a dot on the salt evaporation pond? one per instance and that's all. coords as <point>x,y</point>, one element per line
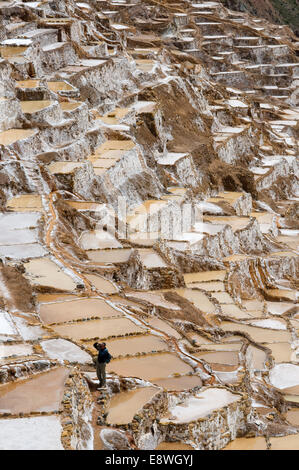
<point>38,433</point>
<point>64,350</point>
<point>123,406</point>
<point>44,272</point>
<point>136,344</point>
<point>200,405</point>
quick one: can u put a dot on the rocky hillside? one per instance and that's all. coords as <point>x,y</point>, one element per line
<point>275,11</point>
<point>149,199</point>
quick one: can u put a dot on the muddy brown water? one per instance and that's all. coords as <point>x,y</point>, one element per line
<point>163,326</point>
<point>260,335</point>
<point>221,357</point>
<point>27,83</point>
<point>59,86</point>
<point>199,299</point>
<point>232,310</point>
<point>136,344</point>
<point>102,284</point>
<point>173,446</point>
<point>12,51</point>
<point>285,443</point>
<point>97,328</point>
<point>223,297</point>
<point>25,202</point>
<point>45,272</point>
<point>123,406</point>
<point>41,298</point>
<point>66,106</point>
<point>110,256</point>
<point>151,367</point>
<point>33,106</point>
<point>243,443</point>
<point>205,276</point>
<point>281,352</point>
<point>76,309</point>
<point>42,392</point>
<point>186,382</point>
<point>292,416</point>
<point>153,298</point>
<point>13,135</point>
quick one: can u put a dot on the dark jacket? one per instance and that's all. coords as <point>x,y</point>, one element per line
<point>104,356</point>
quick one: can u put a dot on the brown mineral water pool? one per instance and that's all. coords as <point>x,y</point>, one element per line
<point>123,406</point>
<point>222,347</point>
<point>59,86</point>
<point>260,335</point>
<point>205,276</point>
<point>208,286</point>
<point>76,309</point>
<point>25,203</point>
<point>292,416</point>
<point>173,446</point>
<point>27,83</point>
<point>221,357</point>
<point>251,443</point>
<point>256,358</point>
<point>285,443</point>
<point>185,382</point>
<point>151,259</point>
<point>151,367</point>
<point>163,326</point>
<point>12,51</point>
<point>66,106</point>
<point>102,284</point>
<point>136,344</point>
<point>42,392</point>
<point>44,272</point>
<point>98,239</point>
<point>282,294</point>
<point>153,298</point>
<point>13,135</point>
<point>110,256</point>
<point>281,352</point>
<point>98,328</point>
<point>223,297</point>
<point>199,299</point>
<point>41,298</point>
<point>232,310</point>
<point>33,106</point>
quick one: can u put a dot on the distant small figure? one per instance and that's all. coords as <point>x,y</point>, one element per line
<point>103,358</point>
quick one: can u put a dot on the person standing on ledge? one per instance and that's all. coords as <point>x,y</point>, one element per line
<point>103,358</point>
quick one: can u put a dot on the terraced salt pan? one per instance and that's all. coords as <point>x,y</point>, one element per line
<point>6,325</point>
<point>103,285</point>
<point>200,405</point>
<point>42,298</point>
<point>8,350</point>
<point>64,350</point>
<point>30,107</point>
<point>243,443</point>
<point>236,223</point>
<point>279,308</point>
<point>123,406</point>
<point>221,357</point>
<point>285,375</point>
<point>222,347</point>
<point>185,382</point>
<point>151,259</point>
<point>29,250</point>
<point>270,323</point>
<point>13,135</point>
<point>136,344</point>
<point>60,86</point>
<point>76,309</point>
<point>161,325</point>
<point>25,203</point>
<point>199,299</point>
<point>98,239</point>
<point>18,221</point>
<point>292,416</point>
<point>281,352</point>
<point>110,256</point>
<point>86,205</point>
<point>100,329</point>
<point>44,272</point>
<point>205,276</point>
<point>42,392</point>
<point>173,446</point>
<point>39,433</point>
<point>64,167</point>
<point>216,286</point>
<point>283,293</point>
<point>153,298</point>
<point>27,83</point>
<point>285,443</point>
<point>151,367</point>
<point>259,335</point>
<point>232,310</point>
<point>18,236</point>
